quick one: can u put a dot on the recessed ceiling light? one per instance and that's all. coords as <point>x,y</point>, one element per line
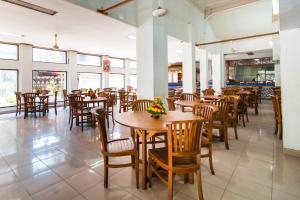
<point>132,37</point>
<point>11,34</point>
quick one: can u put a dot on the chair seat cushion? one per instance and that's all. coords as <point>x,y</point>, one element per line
<point>161,154</point>
<point>120,146</point>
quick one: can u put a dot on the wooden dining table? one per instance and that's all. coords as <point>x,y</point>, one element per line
<point>88,100</point>
<point>147,127</point>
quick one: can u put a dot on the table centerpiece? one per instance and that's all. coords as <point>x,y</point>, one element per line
<point>157,108</point>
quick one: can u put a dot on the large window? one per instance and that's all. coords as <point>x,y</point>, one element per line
<point>47,55</point>
<point>8,87</point>
<point>89,80</point>
<point>49,80</point>
<point>133,81</point>
<point>8,51</point>
<point>84,59</point>
<point>117,80</point>
<point>116,62</point>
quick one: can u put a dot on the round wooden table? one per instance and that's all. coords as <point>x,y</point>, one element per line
<point>147,127</point>
<point>185,103</point>
<point>212,97</point>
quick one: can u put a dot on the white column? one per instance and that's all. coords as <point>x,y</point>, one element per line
<point>188,64</point>
<point>152,71</point>
<point>290,82</point>
<point>277,75</point>
<point>203,69</point>
<point>216,72</point>
<point>72,73</point>
<point>25,73</point>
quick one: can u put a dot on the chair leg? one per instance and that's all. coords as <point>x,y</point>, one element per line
<point>186,178</point>
<point>137,176</point>
<point>170,185</point>
<point>150,171</point>
<point>210,159</point>
<point>105,171</point>
<point>243,118</point>
<point>55,110</point>
<point>112,116</point>
<point>247,116</point>
<point>81,122</point>
<point>280,131</point>
<point>107,119</point>
<point>235,130</point>
<point>71,123</point>
<point>226,138</point>
<point>276,127</point>
<point>199,184</point>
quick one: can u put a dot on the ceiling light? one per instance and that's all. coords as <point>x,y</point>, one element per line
<point>179,51</point>
<point>275,7</point>
<point>159,12</point>
<point>32,6</point>
<point>132,37</point>
<point>271,43</point>
<point>11,34</point>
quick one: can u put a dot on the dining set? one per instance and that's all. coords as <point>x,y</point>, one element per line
<point>35,102</point>
<point>171,144</point>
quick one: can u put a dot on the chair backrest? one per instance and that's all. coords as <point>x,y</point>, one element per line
<point>76,103</point>
<point>100,115</point>
<point>76,91</point>
<point>188,96</point>
<point>65,93</point>
<point>102,94</point>
<point>276,106</point>
<point>207,111</point>
<point>184,139</point>
<point>129,88</point>
<point>223,107</point>
<point>141,104</point>
<point>209,91</point>
<point>171,104</point>
<point>171,92</point>
<point>18,96</point>
<point>233,101</point>
<point>29,98</point>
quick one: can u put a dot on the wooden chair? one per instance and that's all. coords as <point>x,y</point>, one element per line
<point>207,111</point>
<point>209,91</point>
<point>233,101</point>
<point>221,120</point>
<point>19,104</point>
<point>83,90</point>
<point>76,92</point>
<point>32,105</point>
<point>45,92</point>
<point>65,93</point>
<point>277,115</point>
<point>188,97</point>
<point>171,103</point>
<point>115,148</point>
<point>171,92</point>
<point>181,156</point>
<point>125,101</point>
<point>141,104</point>
<point>53,104</point>
<point>109,107</point>
<point>243,108</point>
<point>78,111</point>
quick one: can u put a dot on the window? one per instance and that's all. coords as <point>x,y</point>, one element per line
<point>47,55</point>
<point>9,51</point>
<point>116,62</point>
<point>133,81</point>
<point>84,59</point>
<point>8,87</point>
<point>117,80</point>
<point>132,64</point>
<point>89,80</point>
<point>50,80</point>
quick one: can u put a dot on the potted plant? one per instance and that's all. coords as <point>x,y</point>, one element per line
<point>157,108</point>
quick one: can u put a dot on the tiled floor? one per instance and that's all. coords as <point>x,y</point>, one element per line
<point>41,159</point>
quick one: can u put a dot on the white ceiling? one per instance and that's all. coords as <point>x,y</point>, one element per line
<point>289,11</point>
<point>204,4</point>
<point>78,28</point>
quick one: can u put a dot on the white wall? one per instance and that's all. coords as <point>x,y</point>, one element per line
<point>25,65</point>
<point>290,83</point>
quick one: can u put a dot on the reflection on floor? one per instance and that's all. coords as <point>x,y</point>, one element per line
<point>41,159</point>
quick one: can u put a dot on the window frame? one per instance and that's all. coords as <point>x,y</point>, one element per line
<point>18,51</point>
<point>49,71</point>
<point>117,59</point>
<point>88,54</point>
<point>101,76</point>
<point>49,49</point>
<point>118,74</point>
<point>18,87</point>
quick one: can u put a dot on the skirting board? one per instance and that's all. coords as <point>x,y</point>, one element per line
<point>291,152</point>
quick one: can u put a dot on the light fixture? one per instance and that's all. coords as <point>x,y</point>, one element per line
<point>55,46</point>
<point>11,34</point>
<point>179,51</point>
<point>275,7</point>
<point>31,6</point>
<point>271,43</point>
<point>132,37</point>
<point>159,12</point>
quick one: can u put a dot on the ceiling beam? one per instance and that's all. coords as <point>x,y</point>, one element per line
<point>31,6</point>
<point>239,38</point>
<point>117,5</point>
<point>225,6</point>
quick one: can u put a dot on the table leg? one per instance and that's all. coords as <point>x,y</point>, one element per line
<point>144,161</point>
